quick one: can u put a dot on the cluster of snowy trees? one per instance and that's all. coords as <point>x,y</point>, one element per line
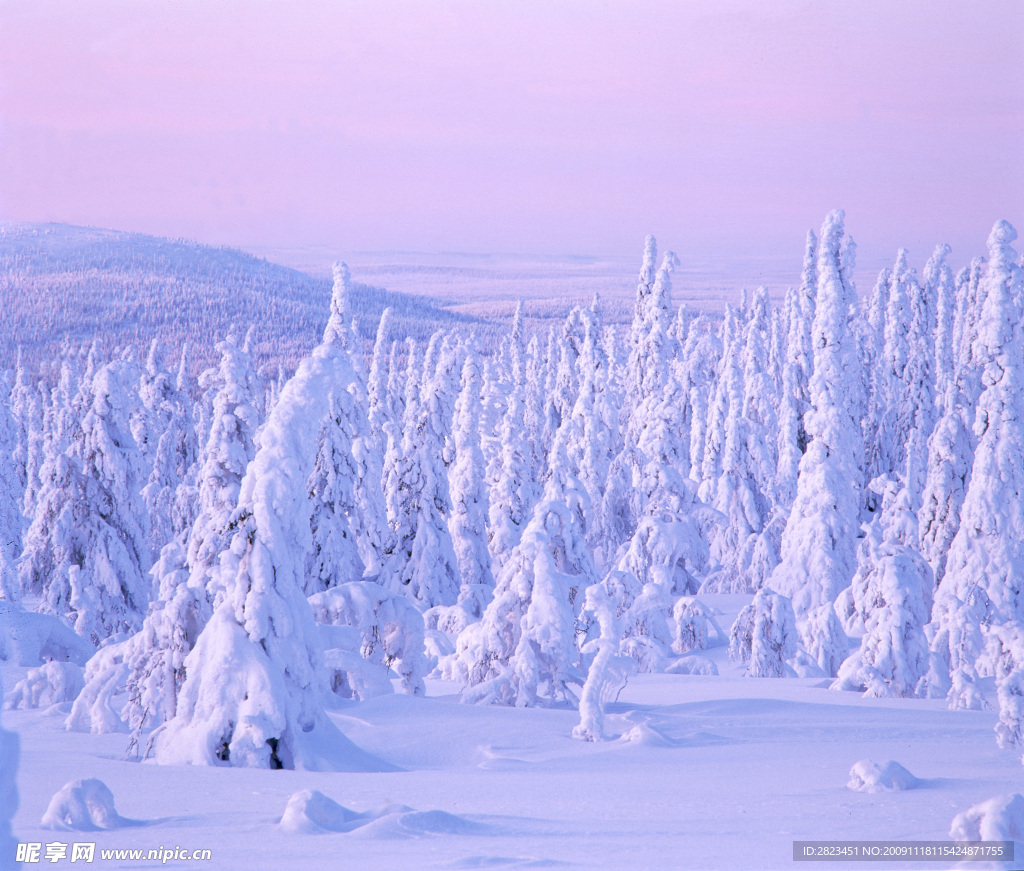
<point>538,522</point>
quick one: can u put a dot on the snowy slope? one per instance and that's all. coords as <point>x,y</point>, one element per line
<point>122,288</point>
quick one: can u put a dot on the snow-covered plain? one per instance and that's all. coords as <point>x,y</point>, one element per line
<point>710,772</point>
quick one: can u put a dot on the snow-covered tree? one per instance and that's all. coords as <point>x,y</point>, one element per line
<point>1010,728</point>
<point>523,651</point>
<point>255,682</point>
<point>819,542</point>
<point>468,522</point>
<point>422,562</point>
<point>333,557</point>
<point>986,557</point>
<point>512,485</point>
<point>743,491</point>
<point>379,409</point>
<point>349,521</point>
<point>891,599</point>
<point>389,626</point>
<point>939,283</point>
<point>11,489</point>
<point>605,602</point>
<point>230,447</point>
<point>86,551</point>
<point>154,658</point>
<point>800,345</point>
<point>950,456</point>
<point>764,635</point>
<point>169,432</point>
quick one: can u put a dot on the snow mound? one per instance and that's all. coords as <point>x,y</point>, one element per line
<point>310,812</point>
<point>84,806</point>
<point>30,639</point>
<point>998,819</point>
<point>692,665</point>
<point>418,824</point>
<point>50,684</point>
<point>645,735</point>
<point>866,776</point>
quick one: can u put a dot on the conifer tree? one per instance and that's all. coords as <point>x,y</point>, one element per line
<point>523,651</point>
<point>469,494</point>
<point>333,557</point>
<point>819,542</point>
<point>230,447</point>
<point>11,520</point>
<point>270,713</point>
<point>986,557</point>
<point>891,598</point>
<point>86,551</point>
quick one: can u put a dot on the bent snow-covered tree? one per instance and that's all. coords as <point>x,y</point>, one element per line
<point>255,684</point>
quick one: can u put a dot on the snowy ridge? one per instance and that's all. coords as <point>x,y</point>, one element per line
<point>125,289</point>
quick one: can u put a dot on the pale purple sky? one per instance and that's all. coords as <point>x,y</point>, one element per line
<point>532,127</point>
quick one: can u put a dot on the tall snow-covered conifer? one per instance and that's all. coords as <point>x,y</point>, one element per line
<point>469,495</point>
<point>819,542</point>
<point>986,558</point>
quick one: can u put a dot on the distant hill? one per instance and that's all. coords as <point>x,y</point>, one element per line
<point>62,282</point>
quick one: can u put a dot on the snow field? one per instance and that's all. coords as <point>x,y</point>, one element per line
<point>737,769</point>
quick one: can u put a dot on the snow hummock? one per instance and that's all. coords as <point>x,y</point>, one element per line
<point>692,664</point>
<point>867,776</point>
<point>84,806</point>
<point>310,812</point>
<point>998,819</point>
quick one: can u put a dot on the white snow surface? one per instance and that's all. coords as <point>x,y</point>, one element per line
<point>710,772</point>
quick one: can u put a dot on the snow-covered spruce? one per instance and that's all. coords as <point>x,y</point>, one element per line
<point>764,635</point>
<point>11,489</point>
<point>389,626</point>
<point>523,651</point>
<point>167,441</point>
<point>606,602</point>
<point>985,565</point>
<point>422,563</point>
<point>819,543</point>
<point>255,681</point>
<point>334,556</point>
<point>228,450</point>
<point>891,599</point>
<point>53,683</point>
<point>86,551</point>
<point>468,521</point>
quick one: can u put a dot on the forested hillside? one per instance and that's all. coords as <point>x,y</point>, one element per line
<point>61,282</point>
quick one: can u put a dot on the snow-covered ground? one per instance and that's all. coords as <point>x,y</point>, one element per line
<point>709,772</point>
<point>489,284</point>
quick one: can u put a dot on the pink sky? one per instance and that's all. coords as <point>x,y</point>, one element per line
<point>532,127</point>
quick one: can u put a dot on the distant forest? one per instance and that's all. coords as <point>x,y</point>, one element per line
<point>60,284</point>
